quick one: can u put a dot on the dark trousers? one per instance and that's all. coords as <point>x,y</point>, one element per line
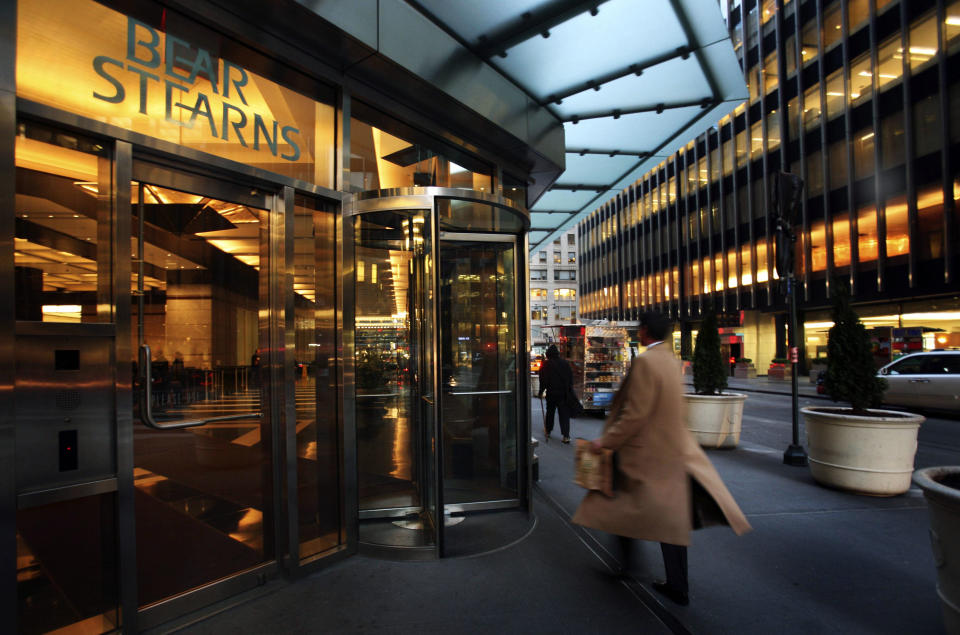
<point>561,409</point>
<point>674,562</point>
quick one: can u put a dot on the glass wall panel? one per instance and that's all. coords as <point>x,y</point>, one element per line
<point>62,262</point>
<point>890,61</point>
<point>930,223</point>
<point>836,98</point>
<point>383,158</point>
<point>809,42</point>
<point>832,25</point>
<point>838,165</point>
<point>741,141</point>
<point>951,27</point>
<point>923,43</point>
<point>861,80</point>
<point>201,281</point>
<point>746,273</point>
<point>770,78</point>
<point>66,567</point>
<point>858,12</point>
<point>814,173</point>
<point>773,131</point>
<point>867,241</point>
<point>898,227</point>
<point>893,145</point>
<point>928,134</point>
<point>863,162</point>
<point>811,108</point>
<point>318,448</point>
<point>841,239</point>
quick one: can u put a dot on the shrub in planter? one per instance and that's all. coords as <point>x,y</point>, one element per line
<point>709,369</point>
<point>859,448</point>
<point>779,368</point>
<point>713,416</point>
<point>744,369</point>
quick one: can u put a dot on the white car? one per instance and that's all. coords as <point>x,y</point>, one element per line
<point>924,380</point>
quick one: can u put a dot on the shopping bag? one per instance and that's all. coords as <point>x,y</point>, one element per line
<point>593,471</point>
<point>574,407</point>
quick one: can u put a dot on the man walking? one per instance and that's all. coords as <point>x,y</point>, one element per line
<point>665,484</point>
<point>556,378</point>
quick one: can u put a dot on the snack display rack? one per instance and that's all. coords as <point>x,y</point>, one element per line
<point>599,357</point>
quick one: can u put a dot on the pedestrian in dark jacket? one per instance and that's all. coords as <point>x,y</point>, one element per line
<point>556,379</point>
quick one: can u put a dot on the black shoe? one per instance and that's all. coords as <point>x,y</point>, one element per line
<point>678,597</point>
<point>566,439</point>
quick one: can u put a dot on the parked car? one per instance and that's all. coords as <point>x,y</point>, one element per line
<point>924,380</point>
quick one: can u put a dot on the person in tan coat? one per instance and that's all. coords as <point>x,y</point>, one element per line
<point>665,486</point>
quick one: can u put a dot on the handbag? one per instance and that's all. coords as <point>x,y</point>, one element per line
<point>593,471</point>
<point>573,403</point>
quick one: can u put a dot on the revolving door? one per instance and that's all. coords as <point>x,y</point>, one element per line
<point>438,330</point>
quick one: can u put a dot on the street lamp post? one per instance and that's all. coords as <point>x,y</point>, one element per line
<point>787,190</point>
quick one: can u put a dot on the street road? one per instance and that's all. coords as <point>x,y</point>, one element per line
<point>767,428</point>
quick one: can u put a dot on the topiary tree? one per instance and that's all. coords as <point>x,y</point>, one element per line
<point>851,375</point>
<point>709,369</point>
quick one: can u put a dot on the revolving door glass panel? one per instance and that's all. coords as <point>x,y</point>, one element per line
<point>394,379</point>
<point>201,492</point>
<point>478,353</point>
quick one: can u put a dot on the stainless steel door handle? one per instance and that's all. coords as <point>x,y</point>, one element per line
<point>146,400</point>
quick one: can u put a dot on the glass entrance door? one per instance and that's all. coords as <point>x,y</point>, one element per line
<point>478,361</point>
<point>201,447</point>
<point>394,361</point>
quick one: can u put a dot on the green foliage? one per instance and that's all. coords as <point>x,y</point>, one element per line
<point>779,360</point>
<point>710,370</point>
<point>744,360</point>
<point>371,370</point>
<point>851,375</point>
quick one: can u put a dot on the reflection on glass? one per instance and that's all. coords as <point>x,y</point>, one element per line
<point>478,371</point>
<point>392,356</point>
<point>318,450</point>
<point>66,567</point>
<point>62,236</point>
<point>200,492</point>
<point>382,160</point>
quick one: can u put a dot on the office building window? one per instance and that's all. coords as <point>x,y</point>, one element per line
<point>564,275</point>
<point>564,294</point>
<point>926,120</point>
<point>556,257</point>
<point>538,294</point>
<point>892,146</point>
<point>571,257</point>
<point>538,274</point>
<point>571,239</point>
<point>542,257</point>
<point>565,312</point>
<point>863,153</point>
<point>538,313</point>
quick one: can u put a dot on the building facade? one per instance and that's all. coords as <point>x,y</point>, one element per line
<point>553,288</point>
<point>861,100</point>
<point>263,278</point>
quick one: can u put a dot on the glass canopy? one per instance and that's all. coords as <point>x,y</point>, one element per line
<point>631,82</point>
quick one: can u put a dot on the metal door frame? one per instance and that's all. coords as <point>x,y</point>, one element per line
<point>425,198</point>
<point>517,342</point>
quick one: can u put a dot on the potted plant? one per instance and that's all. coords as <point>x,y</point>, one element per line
<point>744,369</point>
<point>779,369</point>
<point>714,417</point>
<point>372,388</point>
<point>941,488</point>
<point>858,448</point>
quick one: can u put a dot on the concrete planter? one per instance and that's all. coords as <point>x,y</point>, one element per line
<point>866,454</point>
<point>780,372</point>
<point>715,420</point>
<point>941,488</point>
<point>745,371</point>
<point>815,371</point>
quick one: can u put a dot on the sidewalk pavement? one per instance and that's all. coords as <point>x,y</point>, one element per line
<point>817,561</point>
